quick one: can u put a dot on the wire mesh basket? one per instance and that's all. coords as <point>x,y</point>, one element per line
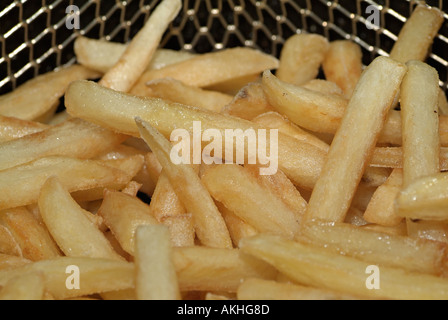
<point>34,37</point>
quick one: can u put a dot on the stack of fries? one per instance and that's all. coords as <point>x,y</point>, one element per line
<point>358,208</point>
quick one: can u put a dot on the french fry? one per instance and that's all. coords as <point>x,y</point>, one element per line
<point>8,245</point>
<point>269,290</point>
<point>209,224</point>
<point>74,138</point>
<point>132,188</point>
<point>301,58</point>
<point>233,86</point>
<point>156,277</point>
<point>153,167</point>
<point>343,65</point>
<point>38,96</point>
<point>355,140</point>
<point>74,233</point>
<point>13,128</point>
<point>261,208</point>
<point>181,227</point>
<point>443,103</point>
<point>206,70</point>
<point>250,102</point>
<point>58,118</point>
<point>215,269</point>
<point>8,262</point>
<point>33,239</point>
<point>324,86</point>
<point>176,91</point>
<point>317,267</point>
<point>27,287</point>
<point>101,55</point>
<point>417,35</point>
<point>26,180</point>
<point>95,275</point>
<point>123,214</point>
<point>413,255</point>
<point>137,56</point>
<point>400,230</point>
<point>381,209</point>
<point>301,162</point>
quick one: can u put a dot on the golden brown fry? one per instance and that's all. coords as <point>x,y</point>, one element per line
<point>355,141</point>
<point>137,56</point>
<point>39,96</point>
<point>30,286</point>
<point>33,238</point>
<point>209,224</point>
<point>343,65</point>
<point>13,128</point>
<point>156,277</point>
<point>301,58</point>
<point>123,214</point>
<point>181,227</point>
<point>417,35</point>
<point>74,138</point>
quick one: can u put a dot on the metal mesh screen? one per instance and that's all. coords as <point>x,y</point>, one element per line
<point>34,38</point>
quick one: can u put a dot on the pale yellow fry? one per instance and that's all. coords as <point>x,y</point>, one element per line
<point>260,207</point>
<point>209,224</point>
<point>58,118</point>
<point>13,128</point>
<point>413,255</point>
<point>39,95</point>
<point>8,245</point>
<point>249,102</point>
<point>75,234</point>
<point>355,141</point>
<point>102,55</point>
<point>317,267</point>
<point>156,277</point>
<point>95,275</point>
<point>30,286</point>
<point>215,269</point>
<point>31,236</point>
<point>26,180</point>
<point>269,290</point>
<point>308,109</point>
<point>324,86</point>
<point>212,68</point>
<point>343,65</point>
<point>181,228</point>
<point>123,214</point>
<point>301,162</point>
<point>11,262</point>
<point>381,208</point>
<point>176,91</point>
<point>140,51</point>
<point>302,57</point>
<point>74,138</point>
<point>417,35</point>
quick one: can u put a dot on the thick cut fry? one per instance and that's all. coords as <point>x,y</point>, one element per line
<point>123,214</point>
<point>301,58</point>
<point>324,86</point>
<point>250,102</point>
<point>212,68</point>
<point>75,234</point>
<point>214,269</point>
<point>209,224</point>
<point>381,208</point>
<point>417,35</point>
<point>176,91</point>
<point>343,65</point>
<point>321,268</point>
<point>26,180</point>
<point>102,55</point>
<point>355,141</point>
<point>39,95</point>
<point>74,138</point>
<point>301,162</point>
<point>8,245</point>
<point>260,208</point>
<point>268,290</point>
<point>413,255</point>
<point>140,51</point>
<point>26,287</point>
<point>13,128</point>
<point>33,238</point>
<point>95,275</point>
<point>308,109</point>
<point>156,277</point>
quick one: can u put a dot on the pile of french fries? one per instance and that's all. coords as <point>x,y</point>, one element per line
<point>361,182</point>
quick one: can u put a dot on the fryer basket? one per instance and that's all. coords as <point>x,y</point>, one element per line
<point>34,37</point>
